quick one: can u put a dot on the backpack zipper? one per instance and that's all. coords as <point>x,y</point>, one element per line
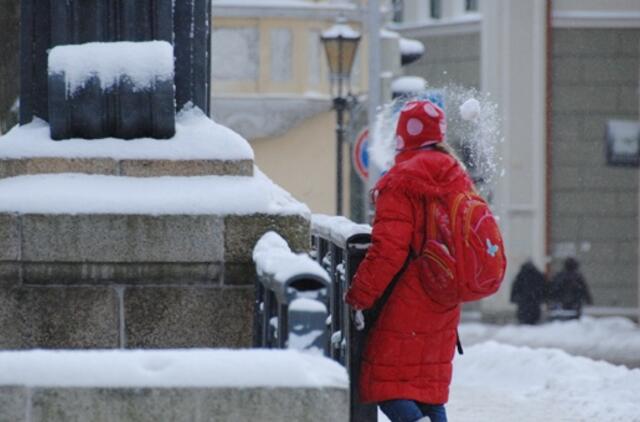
<point>439,262</point>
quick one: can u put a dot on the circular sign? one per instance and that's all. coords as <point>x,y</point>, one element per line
<point>360,155</point>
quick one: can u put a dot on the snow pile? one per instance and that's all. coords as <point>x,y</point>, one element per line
<point>197,138</point>
<point>408,85</point>
<point>92,194</point>
<point>142,63</point>
<point>337,228</point>
<point>565,387</point>
<point>169,368</point>
<point>616,340</point>
<point>273,256</point>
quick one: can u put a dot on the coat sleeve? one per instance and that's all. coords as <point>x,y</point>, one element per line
<point>393,230</point>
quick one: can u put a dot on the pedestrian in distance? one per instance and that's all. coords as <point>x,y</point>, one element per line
<point>435,244</point>
<point>527,292</point>
<point>568,292</point>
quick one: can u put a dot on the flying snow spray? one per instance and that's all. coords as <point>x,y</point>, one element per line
<point>473,130</point>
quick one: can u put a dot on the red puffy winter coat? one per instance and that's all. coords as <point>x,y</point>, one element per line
<point>410,349</point>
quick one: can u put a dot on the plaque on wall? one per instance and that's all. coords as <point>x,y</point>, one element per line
<point>623,143</point>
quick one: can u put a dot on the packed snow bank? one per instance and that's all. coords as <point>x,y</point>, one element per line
<point>169,368</point>
<point>142,63</point>
<point>273,256</point>
<point>197,138</point>
<point>503,383</point>
<point>92,194</point>
<point>616,340</point>
<point>579,389</point>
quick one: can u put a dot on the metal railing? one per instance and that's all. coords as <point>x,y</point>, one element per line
<point>291,293</point>
<point>339,245</point>
<point>291,302</point>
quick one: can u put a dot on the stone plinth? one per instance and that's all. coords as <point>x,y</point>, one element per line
<point>172,385</point>
<point>178,405</point>
<point>124,167</point>
<point>139,281</point>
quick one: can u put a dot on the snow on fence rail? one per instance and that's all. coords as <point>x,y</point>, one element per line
<point>292,292</point>
<point>339,245</point>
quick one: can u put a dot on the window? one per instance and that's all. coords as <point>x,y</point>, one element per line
<point>398,9</point>
<point>471,5</point>
<point>436,9</point>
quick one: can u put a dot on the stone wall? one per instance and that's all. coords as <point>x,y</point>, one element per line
<point>9,61</point>
<point>132,281</point>
<point>449,59</point>
<point>36,404</point>
<point>595,207</point>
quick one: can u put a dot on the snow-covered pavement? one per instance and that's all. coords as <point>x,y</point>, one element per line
<point>615,340</point>
<point>499,382</point>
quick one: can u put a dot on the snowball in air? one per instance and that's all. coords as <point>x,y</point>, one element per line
<point>470,109</point>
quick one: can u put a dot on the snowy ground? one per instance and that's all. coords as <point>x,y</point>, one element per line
<point>616,340</point>
<point>499,382</point>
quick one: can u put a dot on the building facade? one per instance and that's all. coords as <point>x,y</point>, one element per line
<point>559,71</point>
<point>270,83</point>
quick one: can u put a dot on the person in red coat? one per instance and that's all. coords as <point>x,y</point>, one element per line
<point>407,361</point>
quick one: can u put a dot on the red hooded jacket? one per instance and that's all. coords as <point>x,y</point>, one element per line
<point>410,348</point>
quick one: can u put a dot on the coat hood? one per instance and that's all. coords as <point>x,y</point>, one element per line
<point>424,173</point>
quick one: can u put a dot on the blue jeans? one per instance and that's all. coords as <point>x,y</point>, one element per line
<point>411,411</point>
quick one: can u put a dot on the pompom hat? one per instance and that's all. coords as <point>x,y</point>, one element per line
<point>421,123</point>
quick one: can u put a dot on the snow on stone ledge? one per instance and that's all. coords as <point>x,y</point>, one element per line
<point>93,194</point>
<point>170,368</point>
<point>272,255</point>
<point>197,138</point>
<point>143,63</point>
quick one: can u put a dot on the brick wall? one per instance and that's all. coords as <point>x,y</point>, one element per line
<point>449,59</point>
<point>594,206</point>
<point>9,69</point>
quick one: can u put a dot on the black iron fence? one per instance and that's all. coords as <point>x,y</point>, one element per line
<point>338,247</point>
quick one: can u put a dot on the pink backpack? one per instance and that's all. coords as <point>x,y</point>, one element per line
<point>462,257</point>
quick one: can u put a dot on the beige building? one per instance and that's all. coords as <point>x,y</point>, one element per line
<point>270,83</point>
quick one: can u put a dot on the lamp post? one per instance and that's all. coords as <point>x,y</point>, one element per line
<point>340,43</point>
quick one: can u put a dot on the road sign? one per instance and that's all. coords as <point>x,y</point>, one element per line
<point>360,156</point>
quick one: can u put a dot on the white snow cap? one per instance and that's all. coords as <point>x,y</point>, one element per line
<point>170,368</point>
<point>470,109</point>
<point>143,63</point>
<point>411,47</point>
<point>408,84</point>
<point>342,30</point>
<point>272,255</point>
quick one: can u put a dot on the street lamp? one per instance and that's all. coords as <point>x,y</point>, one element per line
<point>340,43</point>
